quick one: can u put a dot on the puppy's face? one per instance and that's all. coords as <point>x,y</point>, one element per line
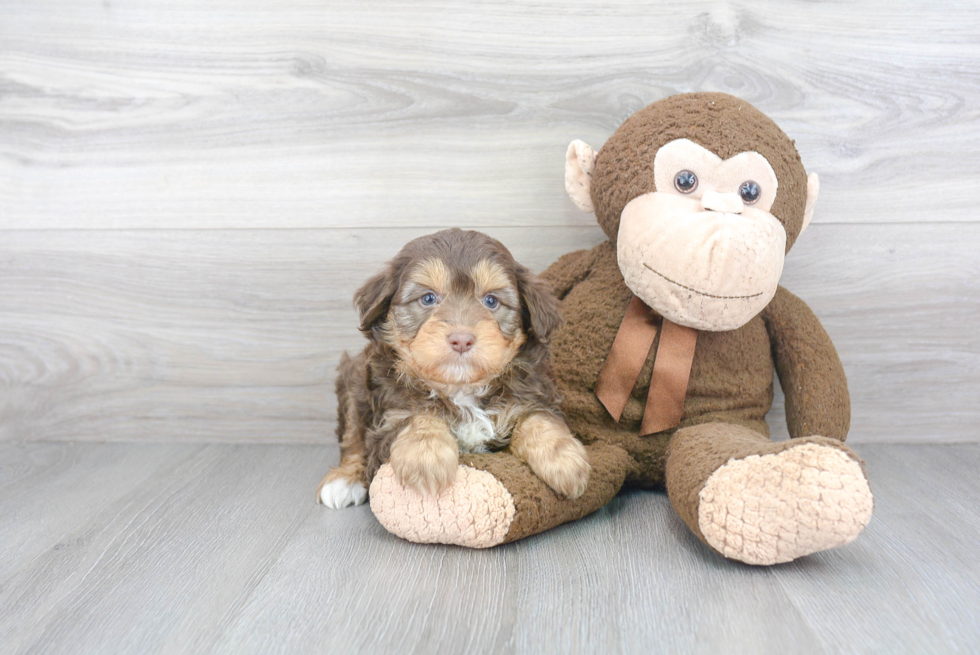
<point>459,308</point>
<point>456,325</point>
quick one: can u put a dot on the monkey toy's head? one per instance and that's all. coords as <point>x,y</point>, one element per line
<point>704,196</point>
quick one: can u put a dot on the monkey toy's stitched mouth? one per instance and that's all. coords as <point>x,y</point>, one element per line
<point>700,293</point>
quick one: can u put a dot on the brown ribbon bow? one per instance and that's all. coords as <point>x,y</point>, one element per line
<point>671,368</point>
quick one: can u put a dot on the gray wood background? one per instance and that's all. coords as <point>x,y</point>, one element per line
<point>190,192</point>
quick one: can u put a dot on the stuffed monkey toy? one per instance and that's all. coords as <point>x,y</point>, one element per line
<point>673,330</point>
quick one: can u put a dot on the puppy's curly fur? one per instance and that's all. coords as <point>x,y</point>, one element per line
<point>457,360</point>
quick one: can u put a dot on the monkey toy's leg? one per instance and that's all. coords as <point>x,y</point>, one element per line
<point>495,499</point>
<point>764,502</point>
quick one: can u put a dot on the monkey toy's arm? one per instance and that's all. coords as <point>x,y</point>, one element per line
<point>810,372</point>
<point>570,269</point>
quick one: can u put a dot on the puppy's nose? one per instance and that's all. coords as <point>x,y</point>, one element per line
<point>461,341</point>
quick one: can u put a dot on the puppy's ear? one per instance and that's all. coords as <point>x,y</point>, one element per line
<point>373,299</point>
<point>540,307</point>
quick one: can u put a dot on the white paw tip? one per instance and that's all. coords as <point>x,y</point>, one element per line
<point>341,493</point>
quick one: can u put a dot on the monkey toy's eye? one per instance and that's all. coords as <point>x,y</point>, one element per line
<point>685,181</point>
<point>428,300</point>
<point>490,301</point>
<point>750,192</point>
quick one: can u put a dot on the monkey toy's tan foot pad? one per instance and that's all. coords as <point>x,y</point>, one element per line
<point>476,510</point>
<point>495,499</point>
<point>767,509</point>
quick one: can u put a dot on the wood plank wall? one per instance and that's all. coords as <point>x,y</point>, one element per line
<point>190,192</point>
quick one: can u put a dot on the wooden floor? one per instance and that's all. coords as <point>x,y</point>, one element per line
<point>146,548</point>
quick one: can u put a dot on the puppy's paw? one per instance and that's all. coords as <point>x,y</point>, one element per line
<point>425,457</point>
<point>341,493</point>
<point>428,467</point>
<point>555,456</point>
<point>566,470</point>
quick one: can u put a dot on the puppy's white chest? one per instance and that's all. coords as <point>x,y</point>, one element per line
<point>476,428</point>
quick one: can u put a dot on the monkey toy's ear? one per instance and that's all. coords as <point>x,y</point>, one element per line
<point>579,163</point>
<point>373,299</point>
<point>812,191</point>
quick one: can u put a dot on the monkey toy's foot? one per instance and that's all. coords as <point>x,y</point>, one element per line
<point>776,507</point>
<point>476,510</point>
<point>494,499</point>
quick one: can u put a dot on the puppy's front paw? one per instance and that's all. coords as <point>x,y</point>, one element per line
<point>427,466</point>
<point>425,456</point>
<point>555,456</point>
<point>566,470</point>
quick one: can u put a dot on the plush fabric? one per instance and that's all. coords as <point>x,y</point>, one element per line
<point>698,274</point>
<point>769,509</point>
<point>495,499</point>
<point>476,511</point>
<point>717,121</point>
<point>745,497</point>
<point>715,174</point>
<point>579,162</point>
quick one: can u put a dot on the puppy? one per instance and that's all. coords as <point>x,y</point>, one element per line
<point>457,361</point>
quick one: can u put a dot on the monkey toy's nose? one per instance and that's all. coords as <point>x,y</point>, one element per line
<point>461,341</point>
<point>726,203</point>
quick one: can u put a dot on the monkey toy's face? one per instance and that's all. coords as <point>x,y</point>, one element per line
<point>703,249</point>
<point>696,233</point>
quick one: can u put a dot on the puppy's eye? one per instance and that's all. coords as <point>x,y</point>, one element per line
<point>490,301</point>
<point>685,181</point>
<point>428,300</point>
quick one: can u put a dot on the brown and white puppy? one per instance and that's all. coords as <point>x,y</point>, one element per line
<point>457,361</point>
